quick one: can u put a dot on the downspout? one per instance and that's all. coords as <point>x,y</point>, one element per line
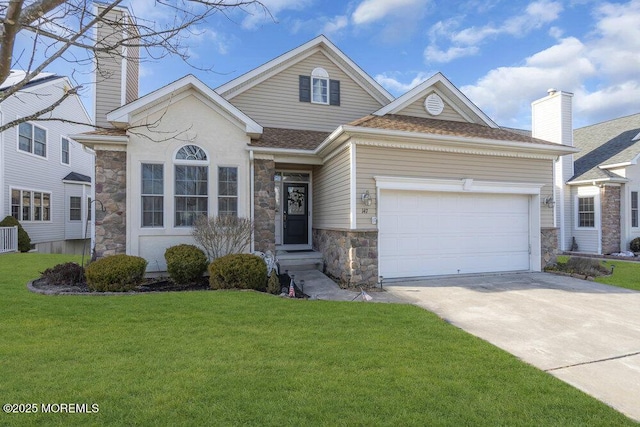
<point>251,199</point>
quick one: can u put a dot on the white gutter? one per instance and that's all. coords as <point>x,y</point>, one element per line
<point>599,180</point>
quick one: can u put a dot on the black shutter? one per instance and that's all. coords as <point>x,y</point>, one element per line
<point>305,88</point>
<point>334,92</point>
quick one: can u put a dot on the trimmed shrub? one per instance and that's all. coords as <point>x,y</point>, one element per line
<point>634,245</point>
<point>115,273</point>
<point>587,266</point>
<point>24,241</point>
<point>65,274</point>
<point>238,271</point>
<point>185,263</point>
<point>273,284</point>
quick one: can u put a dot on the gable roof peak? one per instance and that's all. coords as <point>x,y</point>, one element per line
<point>442,86</point>
<point>251,78</point>
<point>124,114</point>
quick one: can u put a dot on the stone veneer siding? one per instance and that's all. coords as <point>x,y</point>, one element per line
<point>350,256</point>
<point>610,218</point>
<point>549,246</point>
<point>264,211</point>
<point>111,194</point>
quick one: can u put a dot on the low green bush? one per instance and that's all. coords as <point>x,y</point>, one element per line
<point>273,284</point>
<point>24,241</point>
<point>65,274</point>
<point>238,271</point>
<point>185,263</point>
<point>634,245</point>
<point>115,273</point>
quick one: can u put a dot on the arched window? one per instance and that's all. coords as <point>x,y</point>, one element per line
<point>191,152</point>
<point>191,188</point>
<point>320,86</point>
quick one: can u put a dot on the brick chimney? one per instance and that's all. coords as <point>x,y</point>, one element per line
<point>116,72</point>
<point>552,120</point>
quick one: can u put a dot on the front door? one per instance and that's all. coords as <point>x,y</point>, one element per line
<point>296,214</point>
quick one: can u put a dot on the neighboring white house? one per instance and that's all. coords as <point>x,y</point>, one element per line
<point>46,178</point>
<point>596,189</point>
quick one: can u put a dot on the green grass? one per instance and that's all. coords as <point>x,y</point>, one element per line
<point>626,274</point>
<point>245,358</point>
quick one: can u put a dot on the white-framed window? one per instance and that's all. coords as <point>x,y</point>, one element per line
<point>228,191</point>
<point>152,195</point>
<point>75,208</point>
<point>191,179</point>
<point>65,156</point>
<point>634,209</point>
<point>28,205</point>
<point>586,212</point>
<point>32,139</point>
<point>319,86</point>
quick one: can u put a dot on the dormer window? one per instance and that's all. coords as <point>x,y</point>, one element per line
<point>319,89</point>
<point>319,86</point>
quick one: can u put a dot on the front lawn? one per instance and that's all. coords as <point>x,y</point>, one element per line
<point>626,274</point>
<point>246,358</point>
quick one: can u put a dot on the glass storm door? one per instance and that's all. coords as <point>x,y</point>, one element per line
<point>296,214</point>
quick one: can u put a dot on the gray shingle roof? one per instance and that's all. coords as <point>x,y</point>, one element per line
<point>75,176</point>
<point>445,127</point>
<point>606,143</point>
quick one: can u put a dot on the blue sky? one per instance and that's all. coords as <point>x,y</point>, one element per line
<point>502,54</point>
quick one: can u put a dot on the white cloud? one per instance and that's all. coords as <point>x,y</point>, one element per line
<point>374,10</point>
<point>466,41</point>
<point>601,70</point>
<point>397,19</point>
<point>335,25</point>
<point>257,15</point>
<point>506,92</point>
<point>433,54</point>
<point>396,87</point>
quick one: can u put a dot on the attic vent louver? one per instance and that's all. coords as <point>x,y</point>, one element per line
<point>434,104</point>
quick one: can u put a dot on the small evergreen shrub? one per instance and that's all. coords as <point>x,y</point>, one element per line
<point>24,241</point>
<point>238,271</point>
<point>65,274</point>
<point>115,273</point>
<point>185,263</point>
<point>273,284</point>
<point>634,245</point>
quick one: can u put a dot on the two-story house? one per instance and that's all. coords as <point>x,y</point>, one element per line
<point>46,178</point>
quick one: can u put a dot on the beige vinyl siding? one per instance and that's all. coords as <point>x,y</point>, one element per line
<point>275,102</point>
<point>331,192</point>
<point>108,87</point>
<point>416,109</point>
<point>132,74</point>
<point>377,161</point>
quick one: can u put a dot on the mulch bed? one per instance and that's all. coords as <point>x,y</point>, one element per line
<point>149,285</point>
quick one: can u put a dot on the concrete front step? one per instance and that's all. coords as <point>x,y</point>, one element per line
<point>299,260</point>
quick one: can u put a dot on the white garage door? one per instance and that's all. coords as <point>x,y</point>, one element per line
<point>431,233</point>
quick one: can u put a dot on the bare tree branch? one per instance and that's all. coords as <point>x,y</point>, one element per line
<point>61,30</point>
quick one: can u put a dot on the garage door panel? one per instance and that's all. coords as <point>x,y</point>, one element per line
<point>427,233</point>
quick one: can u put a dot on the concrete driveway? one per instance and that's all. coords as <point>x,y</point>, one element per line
<point>584,333</point>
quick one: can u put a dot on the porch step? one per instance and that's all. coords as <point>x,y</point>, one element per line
<point>299,260</point>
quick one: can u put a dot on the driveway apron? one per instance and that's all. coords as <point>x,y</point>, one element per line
<point>585,333</point>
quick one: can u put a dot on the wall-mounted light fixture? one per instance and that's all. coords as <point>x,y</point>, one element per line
<point>549,202</point>
<point>366,198</point>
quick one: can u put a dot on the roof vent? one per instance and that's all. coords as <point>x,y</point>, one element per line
<point>551,91</point>
<point>434,104</point>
